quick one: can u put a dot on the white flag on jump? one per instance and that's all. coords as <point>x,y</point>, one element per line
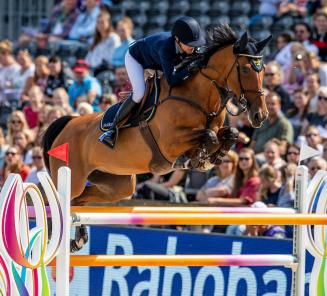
<point>307,152</point>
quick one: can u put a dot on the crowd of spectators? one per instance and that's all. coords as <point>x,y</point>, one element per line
<point>36,88</point>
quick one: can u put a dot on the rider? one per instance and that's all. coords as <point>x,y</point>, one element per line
<point>160,51</point>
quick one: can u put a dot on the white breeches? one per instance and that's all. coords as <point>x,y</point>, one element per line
<point>135,73</point>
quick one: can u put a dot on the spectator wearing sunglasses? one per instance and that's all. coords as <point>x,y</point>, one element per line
<point>313,138</point>
<point>38,165</point>
<point>293,154</point>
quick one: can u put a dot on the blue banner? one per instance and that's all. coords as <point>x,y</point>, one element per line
<point>184,281</point>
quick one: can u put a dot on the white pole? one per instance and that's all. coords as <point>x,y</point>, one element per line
<point>299,248</point>
<point>63,257</point>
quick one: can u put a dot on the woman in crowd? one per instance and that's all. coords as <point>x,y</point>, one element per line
<point>220,185</point>
<point>27,69</point>
<point>318,118</point>
<point>35,97</point>
<point>315,164</point>
<point>293,154</point>
<point>14,164</point>
<point>84,108</point>
<point>38,165</point>
<point>312,86</point>
<point>40,77</point>
<point>272,154</point>
<point>61,99</point>
<point>3,148</point>
<point>17,123</point>
<point>104,43</point>
<point>23,142</point>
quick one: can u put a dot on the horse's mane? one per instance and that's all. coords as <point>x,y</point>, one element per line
<point>218,37</point>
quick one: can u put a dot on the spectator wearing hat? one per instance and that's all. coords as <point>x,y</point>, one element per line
<point>9,70</point>
<point>85,24</point>
<point>125,31</point>
<point>104,43</point>
<point>85,88</point>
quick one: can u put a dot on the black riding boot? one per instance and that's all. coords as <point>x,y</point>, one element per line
<point>109,137</point>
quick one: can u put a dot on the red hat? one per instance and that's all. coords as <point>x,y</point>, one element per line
<point>81,66</point>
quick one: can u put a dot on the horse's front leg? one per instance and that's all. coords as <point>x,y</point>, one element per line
<point>227,137</point>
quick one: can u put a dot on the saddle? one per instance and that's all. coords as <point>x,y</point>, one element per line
<point>144,111</point>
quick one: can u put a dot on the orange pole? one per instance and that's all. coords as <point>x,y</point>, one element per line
<point>180,260</point>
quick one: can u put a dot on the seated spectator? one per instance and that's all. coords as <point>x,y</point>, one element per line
<point>293,154</point>
<point>312,85</point>
<point>84,109</point>
<point>313,138</point>
<point>17,123</point>
<point>273,82</point>
<point>85,88</point>
<point>38,166</point>
<point>104,44</point>
<point>302,33</point>
<point>221,185</point>
<point>13,164</point>
<point>270,186</point>
<point>299,111</point>
<point>246,182</point>
<point>55,113</point>
<point>61,21</point>
<point>272,154</point>
<point>60,98</point>
<point>9,70</point>
<point>287,194</point>
<point>106,101</point>
<point>27,70</point>
<point>57,77</point>
<point>318,118</point>
<point>276,126</point>
<point>315,164</point>
<point>23,142</point>
<point>122,83</point>
<point>3,148</point>
<point>283,43</point>
<point>319,34</point>
<point>40,77</point>
<point>35,100</point>
<point>84,26</point>
<point>124,30</point>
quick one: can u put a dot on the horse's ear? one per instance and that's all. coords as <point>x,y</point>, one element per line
<point>260,45</point>
<point>243,42</point>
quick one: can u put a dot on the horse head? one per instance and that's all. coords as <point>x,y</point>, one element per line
<point>243,70</point>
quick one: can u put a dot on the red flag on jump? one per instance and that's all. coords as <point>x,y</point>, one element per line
<point>60,152</point>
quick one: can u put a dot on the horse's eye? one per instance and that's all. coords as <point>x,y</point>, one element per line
<point>245,70</point>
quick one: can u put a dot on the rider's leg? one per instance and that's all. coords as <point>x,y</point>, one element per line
<point>136,75</point>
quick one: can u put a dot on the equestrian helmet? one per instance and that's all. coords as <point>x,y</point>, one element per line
<point>188,31</point>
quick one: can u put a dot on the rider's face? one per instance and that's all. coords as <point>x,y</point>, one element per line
<point>186,48</point>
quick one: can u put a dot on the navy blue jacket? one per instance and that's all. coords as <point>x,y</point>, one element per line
<point>158,52</point>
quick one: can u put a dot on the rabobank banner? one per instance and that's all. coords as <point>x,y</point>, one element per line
<point>179,281</point>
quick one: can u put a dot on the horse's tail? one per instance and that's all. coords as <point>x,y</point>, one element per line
<point>51,134</point>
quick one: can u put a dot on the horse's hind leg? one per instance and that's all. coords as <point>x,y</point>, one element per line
<point>105,188</point>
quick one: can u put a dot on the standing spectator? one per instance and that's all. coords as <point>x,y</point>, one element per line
<point>61,21</point>
<point>9,70</point>
<point>273,82</point>
<point>35,98</point>
<point>40,77</point>
<point>57,77</point>
<point>105,42</point>
<point>122,81</point>
<point>312,85</point>
<point>297,114</point>
<point>61,99</point>
<point>125,31</point>
<point>319,34</point>
<point>293,154</point>
<point>38,165</point>
<point>85,24</point>
<point>85,88</point>
<point>276,126</point>
<point>220,185</point>
<point>27,70</point>
<point>13,164</point>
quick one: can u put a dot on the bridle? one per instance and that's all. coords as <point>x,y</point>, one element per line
<point>226,94</point>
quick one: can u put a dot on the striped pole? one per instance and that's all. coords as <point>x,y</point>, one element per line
<point>181,260</point>
<point>197,219</point>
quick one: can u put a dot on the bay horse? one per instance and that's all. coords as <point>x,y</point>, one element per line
<point>188,117</point>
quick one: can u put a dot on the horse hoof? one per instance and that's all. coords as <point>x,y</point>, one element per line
<point>74,246</point>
